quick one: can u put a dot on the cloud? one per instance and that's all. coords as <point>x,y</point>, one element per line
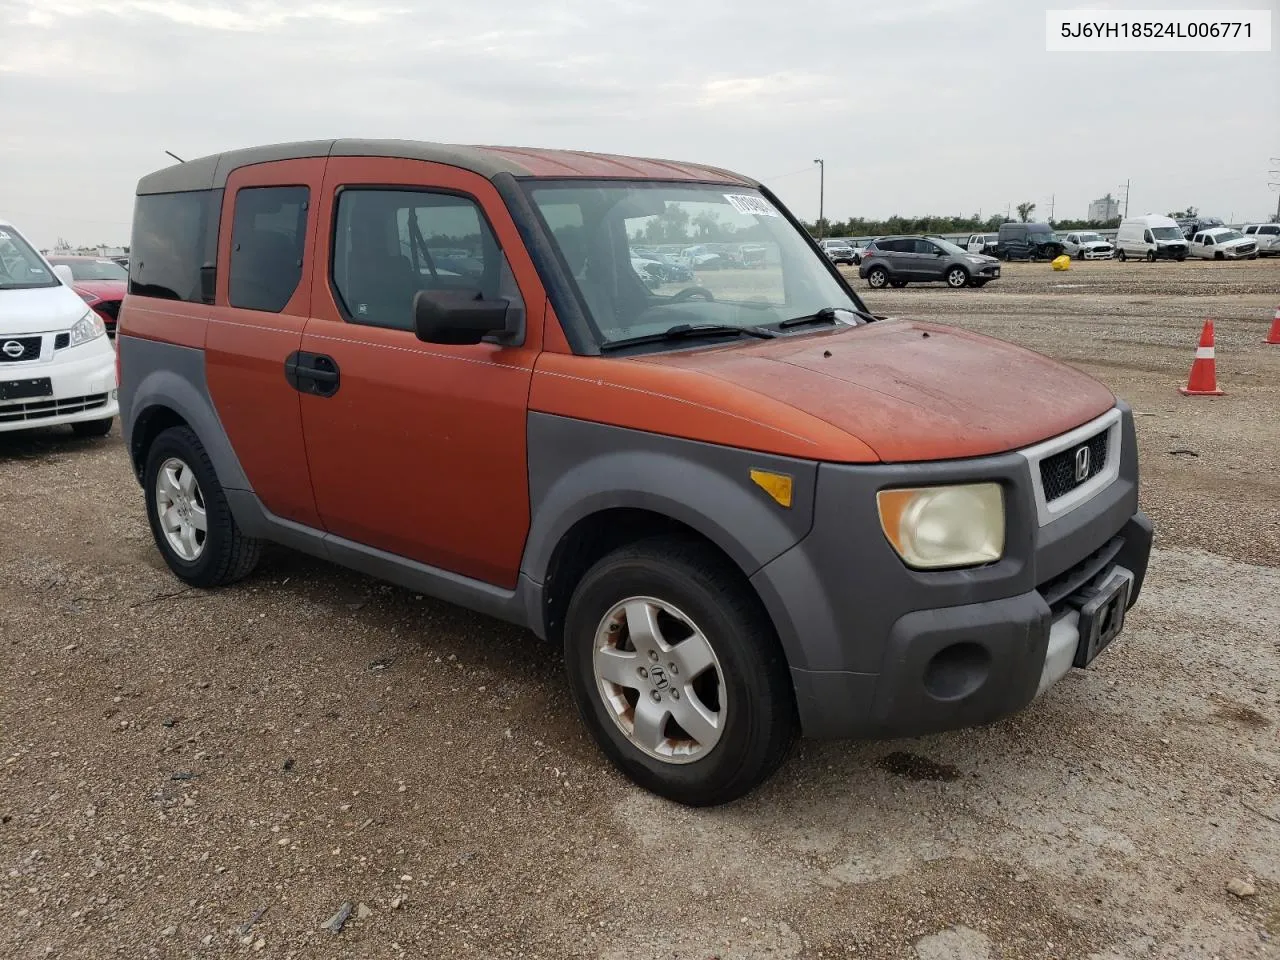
<point>932,105</point>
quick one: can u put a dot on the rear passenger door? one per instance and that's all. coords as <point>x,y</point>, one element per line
<point>266,246</point>
<point>419,449</point>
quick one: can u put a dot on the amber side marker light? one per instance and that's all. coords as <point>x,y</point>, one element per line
<point>776,485</point>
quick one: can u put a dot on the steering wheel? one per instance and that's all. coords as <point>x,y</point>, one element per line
<point>691,293</point>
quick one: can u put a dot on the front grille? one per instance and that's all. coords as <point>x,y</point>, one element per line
<point>1057,589</point>
<point>30,349</point>
<point>62,341</point>
<point>1058,472</point>
<point>45,408</point>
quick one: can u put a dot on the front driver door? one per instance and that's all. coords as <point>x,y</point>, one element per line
<point>418,449</point>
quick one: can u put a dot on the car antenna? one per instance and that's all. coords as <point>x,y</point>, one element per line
<point>175,156</point>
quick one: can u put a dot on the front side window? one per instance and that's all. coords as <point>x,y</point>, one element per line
<point>1270,231</point>
<point>174,249</point>
<point>741,263</point>
<point>390,244</point>
<point>268,231</point>
<point>20,266</point>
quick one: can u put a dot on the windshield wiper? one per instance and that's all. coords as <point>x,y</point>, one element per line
<point>825,315</point>
<point>686,331</point>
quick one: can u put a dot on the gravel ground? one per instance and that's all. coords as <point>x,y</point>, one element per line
<point>175,763</point>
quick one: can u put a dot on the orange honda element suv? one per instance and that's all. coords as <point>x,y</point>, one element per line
<point>747,507</point>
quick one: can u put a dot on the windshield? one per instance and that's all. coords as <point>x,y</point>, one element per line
<point>596,227</point>
<point>1167,233</point>
<point>1222,236</point>
<point>21,267</point>
<point>94,269</point>
<point>947,245</point>
<point>1090,237</point>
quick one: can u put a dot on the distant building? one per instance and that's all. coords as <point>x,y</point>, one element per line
<point>1106,208</point>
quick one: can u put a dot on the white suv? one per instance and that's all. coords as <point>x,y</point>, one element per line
<point>1267,236</point>
<point>56,364</point>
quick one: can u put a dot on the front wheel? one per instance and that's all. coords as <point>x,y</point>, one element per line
<point>1120,256</point>
<point>957,277</point>
<point>92,428</point>
<point>189,514</point>
<point>878,278</point>
<point>677,672</point>
<point>1151,256</point>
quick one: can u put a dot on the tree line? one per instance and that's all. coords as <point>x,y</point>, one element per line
<point>931,224</point>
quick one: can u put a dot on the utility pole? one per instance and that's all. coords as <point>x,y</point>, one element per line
<point>1052,197</point>
<point>1275,185</point>
<point>822,185</point>
<point>1126,198</point>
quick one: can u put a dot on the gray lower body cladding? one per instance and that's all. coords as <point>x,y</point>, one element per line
<point>860,630</point>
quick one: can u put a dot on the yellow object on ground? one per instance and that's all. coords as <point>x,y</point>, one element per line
<point>1062,263</point>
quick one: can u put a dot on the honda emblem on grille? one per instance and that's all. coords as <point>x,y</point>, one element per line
<point>12,348</point>
<point>1082,464</point>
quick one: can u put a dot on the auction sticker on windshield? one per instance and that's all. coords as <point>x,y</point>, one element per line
<point>752,206</point>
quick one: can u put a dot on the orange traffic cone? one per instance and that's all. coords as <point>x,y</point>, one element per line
<point>1203,381</point>
<point>1274,337</point>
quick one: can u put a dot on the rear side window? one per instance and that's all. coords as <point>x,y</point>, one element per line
<point>268,231</point>
<point>174,251</point>
<point>390,244</point>
<point>1270,231</point>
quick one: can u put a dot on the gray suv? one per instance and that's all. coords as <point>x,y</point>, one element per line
<point>897,261</point>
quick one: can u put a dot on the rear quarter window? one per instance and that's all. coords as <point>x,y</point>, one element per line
<point>267,235</point>
<point>174,248</point>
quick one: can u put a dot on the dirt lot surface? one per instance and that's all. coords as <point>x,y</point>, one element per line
<point>174,763</point>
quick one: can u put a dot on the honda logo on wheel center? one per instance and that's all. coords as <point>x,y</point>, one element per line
<point>658,677</point>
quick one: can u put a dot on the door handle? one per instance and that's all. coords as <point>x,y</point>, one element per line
<point>313,373</point>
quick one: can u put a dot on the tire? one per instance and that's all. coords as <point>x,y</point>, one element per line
<point>957,277</point>
<point>1180,257</point>
<point>877,277</point>
<point>225,554</point>
<point>1219,255</point>
<point>1120,256</point>
<point>1151,256</point>
<point>92,428</point>
<point>743,682</point>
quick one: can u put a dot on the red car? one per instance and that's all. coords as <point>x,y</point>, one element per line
<point>101,283</point>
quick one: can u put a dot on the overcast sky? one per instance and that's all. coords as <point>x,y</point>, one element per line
<point>931,106</point>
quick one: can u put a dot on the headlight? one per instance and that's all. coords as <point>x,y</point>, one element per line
<point>934,527</point>
<point>976,259</point>
<point>89,327</point>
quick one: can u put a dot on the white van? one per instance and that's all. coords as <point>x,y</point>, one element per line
<point>1150,238</point>
<point>56,364</point>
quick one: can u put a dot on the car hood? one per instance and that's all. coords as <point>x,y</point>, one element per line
<point>1095,243</point>
<point>102,289</point>
<point>910,391</point>
<point>39,310</point>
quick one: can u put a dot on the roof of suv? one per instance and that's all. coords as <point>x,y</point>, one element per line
<point>211,172</point>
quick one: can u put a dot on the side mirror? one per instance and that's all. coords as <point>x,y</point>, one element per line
<point>464,316</point>
<point>63,273</point>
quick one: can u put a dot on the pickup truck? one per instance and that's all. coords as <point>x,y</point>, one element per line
<point>983,243</point>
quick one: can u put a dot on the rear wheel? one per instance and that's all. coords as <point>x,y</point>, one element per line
<point>878,277</point>
<point>92,428</point>
<point>677,672</point>
<point>1151,256</point>
<point>189,514</point>
<point>1120,256</point>
<point>957,277</point>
